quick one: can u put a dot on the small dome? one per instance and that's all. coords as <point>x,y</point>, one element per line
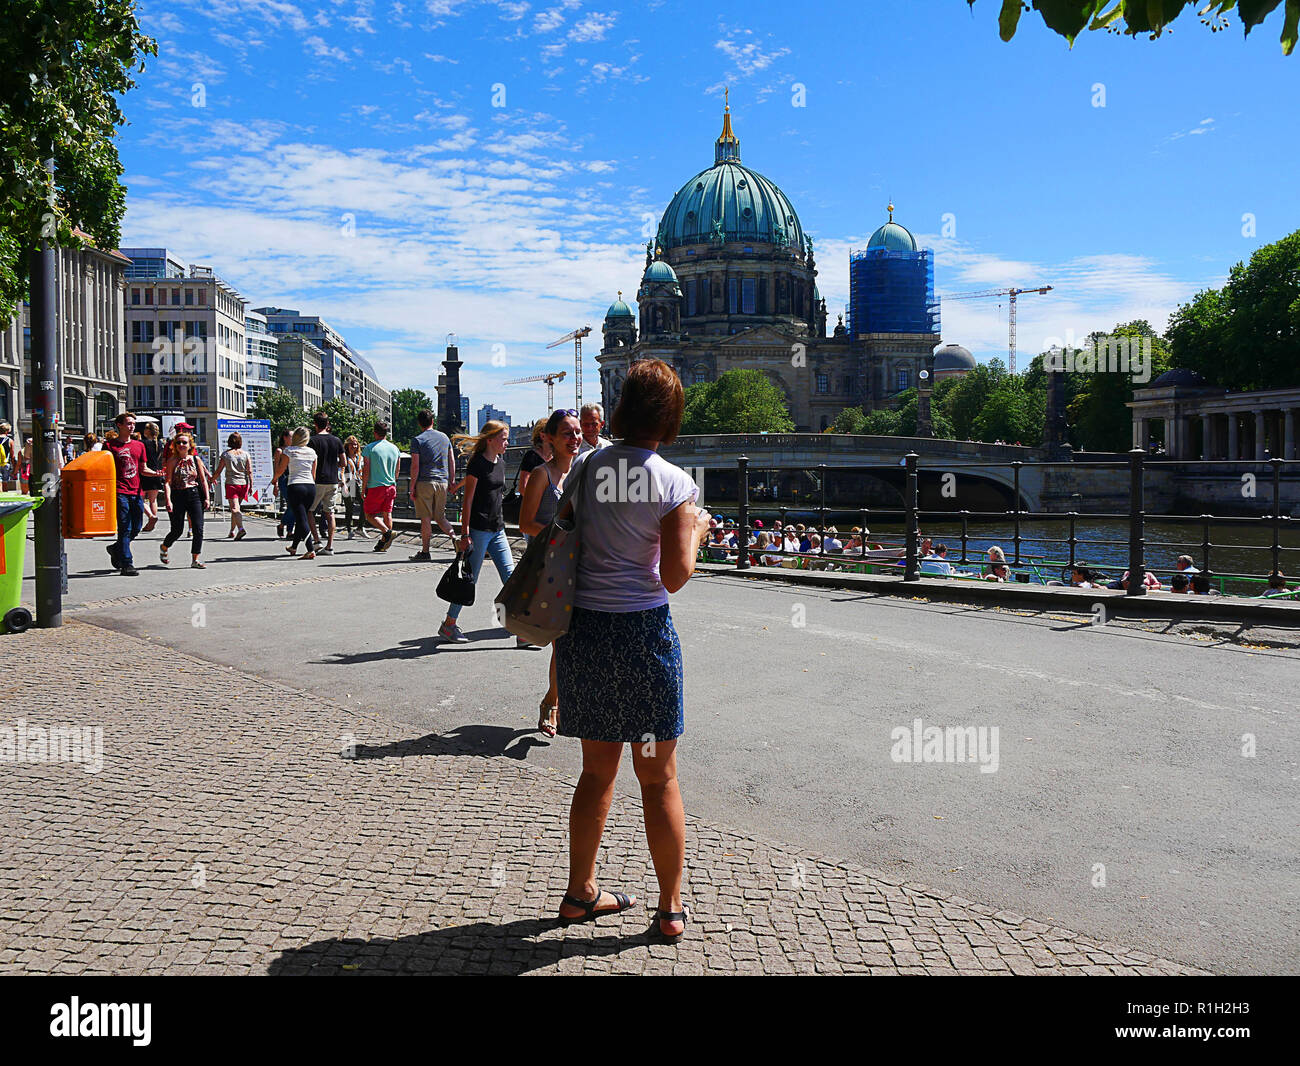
<point>892,238</point>
<point>1179,376</point>
<point>660,271</point>
<point>953,357</point>
<point>618,309</point>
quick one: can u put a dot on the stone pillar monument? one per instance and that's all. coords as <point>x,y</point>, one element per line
<point>450,422</point>
<point>1054,425</point>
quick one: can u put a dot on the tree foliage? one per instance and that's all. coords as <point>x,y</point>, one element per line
<point>1247,334</point>
<point>280,408</point>
<point>740,401</point>
<point>407,405</point>
<point>1069,18</point>
<point>66,65</point>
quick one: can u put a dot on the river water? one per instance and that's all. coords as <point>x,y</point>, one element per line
<point>1235,549</point>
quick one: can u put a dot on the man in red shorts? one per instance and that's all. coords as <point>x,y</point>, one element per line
<point>379,469</point>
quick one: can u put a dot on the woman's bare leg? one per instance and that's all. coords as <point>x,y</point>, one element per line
<point>591,800</point>
<point>655,764</point>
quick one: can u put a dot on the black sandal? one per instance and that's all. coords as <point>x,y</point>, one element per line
<point>683,916</point>
<point>589,907</point>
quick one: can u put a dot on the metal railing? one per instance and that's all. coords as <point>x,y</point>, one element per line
<point>911,515</point>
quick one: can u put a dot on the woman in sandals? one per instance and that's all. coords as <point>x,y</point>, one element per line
<point>297,464</point>
<point>561,437</point>
<point>619,667</point>
<point>238,467</point>
<point>186,491</point>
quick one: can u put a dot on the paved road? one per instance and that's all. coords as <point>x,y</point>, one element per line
<point>1120,753</point>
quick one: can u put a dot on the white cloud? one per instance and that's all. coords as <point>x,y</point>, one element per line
<point>592,28</point>
<point>747,54</point>
<point>317,46</point>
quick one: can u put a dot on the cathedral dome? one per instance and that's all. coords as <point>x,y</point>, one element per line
<point>950,357</point>
<point>729,202</point>
<point>618,309</point>
<point>661,272</point>
<point>892,237</point>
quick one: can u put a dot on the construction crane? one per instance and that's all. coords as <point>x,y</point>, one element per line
<point>550,380</point>
<point>1011,313</point>
<point>576,336</point>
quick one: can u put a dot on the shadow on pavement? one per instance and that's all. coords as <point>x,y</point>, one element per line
<point>482,948</point>
<point>485,740</point>
<point>414,649</point>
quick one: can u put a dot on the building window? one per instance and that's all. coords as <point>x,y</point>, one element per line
<point>690,296</point>
<point>74,408</point>
<point>189,297</point>
<point>141,364</point>
<point>148,297</point>
<point>203,297</point>
<point>196,396</point>
<point>176,297</point>
<point>903,380</point>
<point>135,297</point>
<point>144,396</point>
<point>749,291</point>
<point>823,382</point>
<point>850,385</point>
<point>733,295</point>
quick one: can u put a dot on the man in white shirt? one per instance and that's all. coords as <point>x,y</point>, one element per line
<point>592,420</point>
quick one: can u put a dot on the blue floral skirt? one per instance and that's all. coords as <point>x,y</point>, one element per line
<point>620,676</point>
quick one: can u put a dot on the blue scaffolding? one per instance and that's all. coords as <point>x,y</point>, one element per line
<point>892,292</point>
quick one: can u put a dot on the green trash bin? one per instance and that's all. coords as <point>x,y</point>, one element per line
<point>14,508</point>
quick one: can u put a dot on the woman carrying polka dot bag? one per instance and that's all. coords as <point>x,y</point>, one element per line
<point>536,602</point>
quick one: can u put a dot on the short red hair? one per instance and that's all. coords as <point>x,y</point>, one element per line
<point>651,404</point>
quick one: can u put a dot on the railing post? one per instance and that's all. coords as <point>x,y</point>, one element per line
<point>742,494</point>
<point>1205,543</point>
<point>1015,467</point>
<point>863,545</point>
<point>1137,567</point>
<point>911,564</point>
<point>821,474</point>
<point>1276,464</point>
<point>1074,540</point>
<point>965,535</point>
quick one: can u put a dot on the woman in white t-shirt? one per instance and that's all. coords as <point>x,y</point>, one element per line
<point>298,462</point>
<point>619,667</point>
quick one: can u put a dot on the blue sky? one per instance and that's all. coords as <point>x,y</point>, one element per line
<point>348,158</point>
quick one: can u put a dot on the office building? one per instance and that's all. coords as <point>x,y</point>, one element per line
<point>488,413</point>
<point>91,344</point>
<point>300,371</point>
<point>260,373</point>
<point>187,351</point>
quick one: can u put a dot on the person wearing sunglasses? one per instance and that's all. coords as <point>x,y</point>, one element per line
<point>563,435</point>
<point>186,491</point>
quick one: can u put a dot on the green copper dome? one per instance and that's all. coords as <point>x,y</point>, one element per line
<point>660,271</point>
<point>729,202</point>
<point>892,237</point>
<point>618,309</point>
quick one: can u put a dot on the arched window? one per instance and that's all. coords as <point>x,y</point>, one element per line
<point>74,408</point>
<point>105,410</point>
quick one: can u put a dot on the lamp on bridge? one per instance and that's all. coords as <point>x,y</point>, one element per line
<point>924,426</point>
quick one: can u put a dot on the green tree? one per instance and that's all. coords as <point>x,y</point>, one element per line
<point>740,401</point>
<point>1069,18</point>
<point>407,405</point>
<point>66,65</point>
<point>1098,412</point>
<point>1011,413</point>
<point>1247,334</point>
<point>963,403</point>
<point>345,422</point>
<point>280,408</point>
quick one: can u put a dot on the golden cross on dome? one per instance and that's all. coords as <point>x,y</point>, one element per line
<point>620,294</point>
<point>726,97</point>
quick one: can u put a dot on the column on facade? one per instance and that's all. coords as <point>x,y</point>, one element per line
<point>1259,435</point>
<point>1140,437</point>
<point>1234,439</point>
<point>1288,433</point>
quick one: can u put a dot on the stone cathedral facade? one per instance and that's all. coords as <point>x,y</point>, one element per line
<point>731,283</point>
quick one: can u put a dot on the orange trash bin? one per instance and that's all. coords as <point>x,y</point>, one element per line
<point>89,485</point>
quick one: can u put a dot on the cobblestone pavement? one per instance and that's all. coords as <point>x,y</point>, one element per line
<point>226,833</point>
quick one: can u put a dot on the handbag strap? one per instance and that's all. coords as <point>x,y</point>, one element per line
<point>572,495</point>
